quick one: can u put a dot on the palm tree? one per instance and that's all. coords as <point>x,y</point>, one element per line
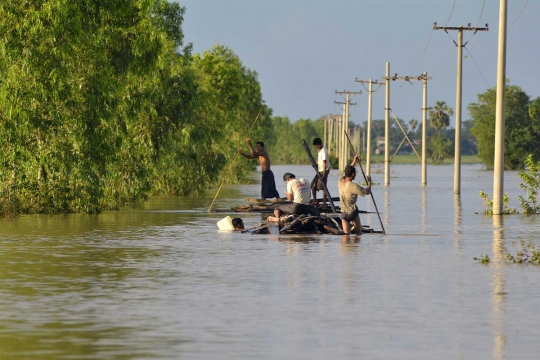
<point>439,116</point>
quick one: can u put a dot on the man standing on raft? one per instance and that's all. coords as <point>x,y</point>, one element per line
<point>348,194</point>
<point>323,163</point>
<point>268,184</point>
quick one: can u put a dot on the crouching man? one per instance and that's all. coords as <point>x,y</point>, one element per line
<point>298,191</point>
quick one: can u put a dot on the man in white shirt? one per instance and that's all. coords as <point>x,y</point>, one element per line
<point>323,164</point>
<point>298,192</point>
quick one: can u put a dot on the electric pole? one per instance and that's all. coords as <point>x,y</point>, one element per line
<point>387,128</point>
<point>460,46</point>
<point>368,135</point>
<point>345,128</point>
<point>424,78</point>
<point>498,174</point>
<point>331,140</point>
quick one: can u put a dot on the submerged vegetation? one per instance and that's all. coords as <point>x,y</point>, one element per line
<point>531,184</point>
<point>526,254</point>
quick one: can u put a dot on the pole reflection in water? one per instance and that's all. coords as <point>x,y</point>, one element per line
<point>386,206</point>
<point>424,210</point>
<point>457,213</point>
<point>499,295</point>
<point>459,278</point>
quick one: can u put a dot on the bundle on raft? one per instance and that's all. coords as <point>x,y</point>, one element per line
<point>304,224</point>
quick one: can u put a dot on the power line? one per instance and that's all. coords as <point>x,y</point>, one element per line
<point>526,2</point>
<point>444,62</point>
<point>447,21</point>
<point>479,18</point>
<point>424,53</point>
<point>481,12</point>
<point>478,38</point>
<point>477,67</point>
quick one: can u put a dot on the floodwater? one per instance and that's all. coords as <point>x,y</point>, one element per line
<point>159,281</point>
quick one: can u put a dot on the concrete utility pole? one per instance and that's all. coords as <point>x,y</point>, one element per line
<point>345,128</point>
<point>424,131</point>
<point>423,78</point>
<point>498,174</point>
<point>387,128</point>
<point>368,135</point>
<point>332,141</point>
<point>460,45</point>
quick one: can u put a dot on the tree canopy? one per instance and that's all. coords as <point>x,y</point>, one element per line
<point>522,126</point>
<point>102,105</point>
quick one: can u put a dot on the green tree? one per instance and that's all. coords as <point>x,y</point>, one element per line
<point>439,149</point>
<point>468,141</point>
<point>439,116</point>
<point>288,148</point>
<point>522,131</point>
<point>101,105</point>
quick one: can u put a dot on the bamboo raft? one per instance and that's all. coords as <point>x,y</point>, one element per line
<point>305,224</point>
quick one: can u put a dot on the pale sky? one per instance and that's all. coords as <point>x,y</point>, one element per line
<point>305,50</point>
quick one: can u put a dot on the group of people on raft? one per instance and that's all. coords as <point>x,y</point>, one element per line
<point>298,191</point>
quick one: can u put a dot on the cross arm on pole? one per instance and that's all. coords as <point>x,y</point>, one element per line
<point>467,28</point>
<point>422,77</point>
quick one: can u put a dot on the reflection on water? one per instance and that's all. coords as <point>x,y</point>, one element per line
<point>158,281</point>
<point>423,203</point>
<point>499,294</point>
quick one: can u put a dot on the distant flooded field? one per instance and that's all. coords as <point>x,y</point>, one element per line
<point>413,159</point>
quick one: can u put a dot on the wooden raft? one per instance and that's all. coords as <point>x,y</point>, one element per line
<point>305,224</point>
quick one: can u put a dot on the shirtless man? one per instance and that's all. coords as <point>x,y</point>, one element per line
<point>268,184</point>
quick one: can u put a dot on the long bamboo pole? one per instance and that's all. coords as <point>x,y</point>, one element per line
<point>371,192</point>
<point>248,133</point>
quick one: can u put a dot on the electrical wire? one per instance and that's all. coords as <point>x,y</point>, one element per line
<point>444,62</point>
<point>481,12</point>
<point>453,71</point>
<point>489,86</point>
<point>478,22</point>
<point>450,14</point>
<point>478,38</point>
<point>424,53</point>
<point>526,2</point>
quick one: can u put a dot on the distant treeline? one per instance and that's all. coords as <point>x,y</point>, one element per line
<point>284,138</point>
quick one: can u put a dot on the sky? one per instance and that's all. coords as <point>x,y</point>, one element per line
<point>306,50</point>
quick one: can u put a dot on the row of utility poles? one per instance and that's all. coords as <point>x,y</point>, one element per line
<point>498,177</point>
<point>336,126</point>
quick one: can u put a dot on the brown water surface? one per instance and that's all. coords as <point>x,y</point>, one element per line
<point>159,281</point>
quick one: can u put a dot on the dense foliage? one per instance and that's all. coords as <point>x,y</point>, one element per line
<point>101,105</point>
<point>522,126</point>
<point>531,184</point>
<point>285,139</point>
